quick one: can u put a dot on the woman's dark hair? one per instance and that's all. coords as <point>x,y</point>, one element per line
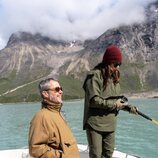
<point>108,73</point>
<point>105,72</point>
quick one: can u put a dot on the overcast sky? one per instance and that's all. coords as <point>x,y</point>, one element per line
<point>67,19</point>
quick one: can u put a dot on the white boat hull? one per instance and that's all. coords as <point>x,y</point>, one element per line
<point>24,153</point>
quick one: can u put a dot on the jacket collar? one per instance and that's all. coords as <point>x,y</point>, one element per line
<point>51,105</point>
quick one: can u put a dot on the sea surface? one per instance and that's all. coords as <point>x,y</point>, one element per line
<point>135,134</point>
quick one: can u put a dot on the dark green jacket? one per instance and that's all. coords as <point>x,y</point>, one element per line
<point>99,113</point>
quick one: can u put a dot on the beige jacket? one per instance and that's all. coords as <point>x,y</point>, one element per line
<point>49,135</point>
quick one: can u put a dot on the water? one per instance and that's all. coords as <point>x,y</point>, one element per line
<point>135,135</point>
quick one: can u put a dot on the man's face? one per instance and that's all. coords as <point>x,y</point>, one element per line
<point>54,93</point>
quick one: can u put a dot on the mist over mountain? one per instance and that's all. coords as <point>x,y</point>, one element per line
<point>29,58</point>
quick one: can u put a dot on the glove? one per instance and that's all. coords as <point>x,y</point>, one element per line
<point>131,109</point>
<point>119,104</point>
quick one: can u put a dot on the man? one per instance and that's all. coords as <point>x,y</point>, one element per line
<point>101,106</point>
<point>49,134</point>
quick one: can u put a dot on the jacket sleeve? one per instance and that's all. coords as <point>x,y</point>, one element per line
<point>38,140</point>
<point>93,90</point>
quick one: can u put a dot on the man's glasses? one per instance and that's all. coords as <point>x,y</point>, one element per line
<point>56,89</point>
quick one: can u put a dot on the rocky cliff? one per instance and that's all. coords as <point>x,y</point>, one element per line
<point>28,58</point>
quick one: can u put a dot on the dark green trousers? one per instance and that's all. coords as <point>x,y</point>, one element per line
<point>101,144</point>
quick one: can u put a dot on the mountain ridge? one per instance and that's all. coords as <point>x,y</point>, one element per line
<point>28,58</point>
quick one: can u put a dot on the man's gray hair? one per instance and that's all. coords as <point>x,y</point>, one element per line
<point>45,84</point>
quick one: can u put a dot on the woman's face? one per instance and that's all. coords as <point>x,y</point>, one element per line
<point>115,72</point>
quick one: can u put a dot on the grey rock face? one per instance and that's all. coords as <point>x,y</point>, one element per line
<point>28,57</point>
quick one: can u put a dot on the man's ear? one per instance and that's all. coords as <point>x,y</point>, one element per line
<point>45,94</point>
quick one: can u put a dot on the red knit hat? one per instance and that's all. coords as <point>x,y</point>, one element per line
<point>112,55</point>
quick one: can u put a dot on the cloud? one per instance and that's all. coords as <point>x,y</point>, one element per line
<point>67,19</point>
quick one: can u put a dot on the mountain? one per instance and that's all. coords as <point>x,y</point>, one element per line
<point>29,58</point>
<point>139,44</point>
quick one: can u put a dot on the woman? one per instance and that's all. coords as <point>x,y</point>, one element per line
<point>101,104</point>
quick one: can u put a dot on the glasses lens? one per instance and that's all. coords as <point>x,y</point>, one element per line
<point>57,89</point>
<point>117,64</point>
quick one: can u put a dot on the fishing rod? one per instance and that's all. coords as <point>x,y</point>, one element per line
<point>125,100</point>
<point>127,107</point>
<point>147,117</point>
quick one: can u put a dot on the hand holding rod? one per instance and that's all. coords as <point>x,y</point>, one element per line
<point>125,99</point>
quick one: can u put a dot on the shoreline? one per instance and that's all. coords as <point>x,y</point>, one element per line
<point>141,95</point>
